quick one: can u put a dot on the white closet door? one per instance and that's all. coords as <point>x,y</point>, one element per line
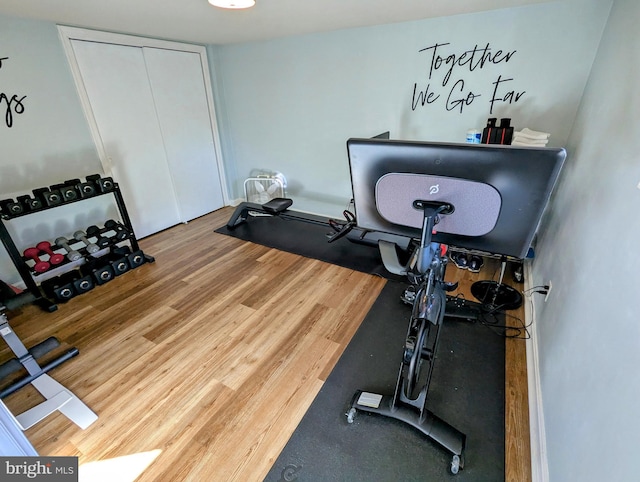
<point>177,85</point>
<point>116,81</point>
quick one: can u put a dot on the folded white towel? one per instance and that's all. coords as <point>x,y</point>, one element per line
<point>530,141</point>
<point>516,142</point>
<point>531,134</point>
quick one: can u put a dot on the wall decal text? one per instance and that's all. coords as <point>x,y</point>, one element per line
<point>456,91</point>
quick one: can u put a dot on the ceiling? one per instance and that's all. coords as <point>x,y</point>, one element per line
<point>198,22</point>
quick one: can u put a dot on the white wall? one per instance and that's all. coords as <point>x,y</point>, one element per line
<point>589,332</point>
<point>290,104</point>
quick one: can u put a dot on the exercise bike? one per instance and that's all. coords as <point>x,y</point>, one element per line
<point>425,271</point>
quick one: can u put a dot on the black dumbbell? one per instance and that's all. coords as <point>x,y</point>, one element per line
<point>103,184</point>
<point>86,189</point>
<point>72,254</point>
<point>95,232</point>
<point>99,270</point>
<point>119,264</point>
<point>121,232</point>
<point>10,207</point>
<point>81,283</point>
<point>136,259</point>
<point>29,203</point>
<point>118,259</point>
<point>60,287</point>
<point>81,236</point>
<point>48,197</point>
<point>67,192</point>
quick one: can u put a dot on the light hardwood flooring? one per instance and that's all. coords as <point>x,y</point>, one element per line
<point>201,365</point>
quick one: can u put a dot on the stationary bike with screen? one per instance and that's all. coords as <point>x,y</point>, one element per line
<point>484,198</point>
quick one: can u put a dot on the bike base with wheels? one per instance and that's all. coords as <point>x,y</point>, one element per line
<point>429,424</point>
<point>408,404</point>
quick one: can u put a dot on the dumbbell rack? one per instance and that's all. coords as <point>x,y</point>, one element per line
<point>32,279</point>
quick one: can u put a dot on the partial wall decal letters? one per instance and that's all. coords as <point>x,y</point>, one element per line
<point>12,104</point>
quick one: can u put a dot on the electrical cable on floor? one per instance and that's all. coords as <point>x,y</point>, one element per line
<point>489,318</point>
<point>520,331</point>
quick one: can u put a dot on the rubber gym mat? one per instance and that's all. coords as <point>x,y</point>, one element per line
<point>467,391</point>
<point>309,239</point>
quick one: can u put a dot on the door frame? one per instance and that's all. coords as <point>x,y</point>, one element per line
<point>67,34</point>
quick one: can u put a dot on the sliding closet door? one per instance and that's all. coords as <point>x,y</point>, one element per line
<point>122,104</point>
<point>180,99</point>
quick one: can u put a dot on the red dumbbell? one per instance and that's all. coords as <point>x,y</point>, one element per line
<point>40,266</point>
<point>54,258</point>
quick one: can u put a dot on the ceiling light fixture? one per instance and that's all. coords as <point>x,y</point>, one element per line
<point>232,3</point>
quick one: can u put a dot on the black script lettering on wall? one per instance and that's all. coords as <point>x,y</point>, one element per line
<point>12,103</point>
<point>457,89</point>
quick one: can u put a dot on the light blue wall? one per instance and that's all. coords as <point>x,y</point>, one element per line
<point>49,141</point>
<point>589,330</point>
<point>290,104</point>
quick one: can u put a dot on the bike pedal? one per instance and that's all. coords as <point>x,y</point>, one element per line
<point>409,296</point>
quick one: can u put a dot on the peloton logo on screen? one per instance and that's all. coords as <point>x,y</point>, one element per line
<point>435,189</point>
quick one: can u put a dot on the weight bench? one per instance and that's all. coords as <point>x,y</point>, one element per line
<point>57,397</point>
<point>275,207</point>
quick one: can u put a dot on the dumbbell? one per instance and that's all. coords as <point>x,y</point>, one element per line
<point>86,189</point>
<point>99,270</point>
<point>136,259</point>
<point>29,203</point>
<point>91,247</point>
<point>40,266</point>
<point>67,192</point>
<point>101,241</point>
<point>48,197</point>
<point>72,182</point>
<point>103,184</point>
<point>10,207</point>
<point>54,258</point>
<point>81,283</point>
<point>72,254</point>
<point>121,232</point>
<point>60,287</point>
<point>118,263</point>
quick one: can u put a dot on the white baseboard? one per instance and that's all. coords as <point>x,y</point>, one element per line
<point>539,463</point>
<point>235,202</point>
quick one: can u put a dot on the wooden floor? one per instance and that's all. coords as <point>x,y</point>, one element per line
<point>201,364</point>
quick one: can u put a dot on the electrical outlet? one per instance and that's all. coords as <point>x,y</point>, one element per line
<point>546,297</point>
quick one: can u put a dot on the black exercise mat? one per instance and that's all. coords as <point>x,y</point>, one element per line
<point>309,239</point>
<point>467,391</point>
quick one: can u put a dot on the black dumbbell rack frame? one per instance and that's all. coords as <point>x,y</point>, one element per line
<point>31,279</point>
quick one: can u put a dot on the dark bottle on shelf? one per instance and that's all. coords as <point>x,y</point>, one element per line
<point>489,132</point>
<point>505,131</point>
